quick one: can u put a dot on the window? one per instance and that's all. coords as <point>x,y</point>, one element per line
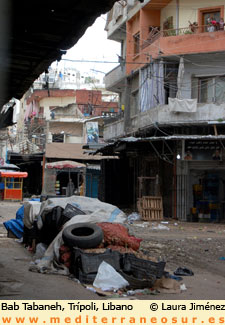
<point>136,39</point>
<point>216,12</point>
<point>41,112</point>
<point>134,102</point>
<point>58,137</point>
<point>211,89</point>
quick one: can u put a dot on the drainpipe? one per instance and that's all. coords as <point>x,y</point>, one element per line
<point>175,187</point>
<point>177,15</point>
<point>43,172</point>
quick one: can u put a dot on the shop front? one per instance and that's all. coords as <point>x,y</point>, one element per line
<point>201,182</point>
<point>11,185</point>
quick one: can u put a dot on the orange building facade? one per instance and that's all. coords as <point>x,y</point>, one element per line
<point>171,84</point>
<point>152,33</point>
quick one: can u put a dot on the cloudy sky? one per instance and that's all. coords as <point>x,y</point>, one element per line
<point>94,46</point>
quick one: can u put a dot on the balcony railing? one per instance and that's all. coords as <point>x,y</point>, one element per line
<point>156,33</point>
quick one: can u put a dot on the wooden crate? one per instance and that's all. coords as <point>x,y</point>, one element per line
<point>151,208</point>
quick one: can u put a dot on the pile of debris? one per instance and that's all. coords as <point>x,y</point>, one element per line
<point>87,239</point>
<point>89,245</point>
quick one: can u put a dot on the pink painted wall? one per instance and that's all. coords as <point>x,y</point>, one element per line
<point>148,18</point>
<point>177,45</point>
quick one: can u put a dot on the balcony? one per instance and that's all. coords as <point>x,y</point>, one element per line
<point>171,42</point>
<point>116,22</point>
<point>205,114</point>
<point>180,41</point>
<point>114,77</point>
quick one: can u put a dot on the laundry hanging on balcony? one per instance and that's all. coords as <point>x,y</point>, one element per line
<point>118,10</point>
<point>180,78</point>
<point>183,105</point>
<point>152,86</point>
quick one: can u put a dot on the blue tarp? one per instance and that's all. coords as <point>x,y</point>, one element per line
<point>16,225</point>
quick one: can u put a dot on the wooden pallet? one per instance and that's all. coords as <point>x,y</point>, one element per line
<point>150,208</point>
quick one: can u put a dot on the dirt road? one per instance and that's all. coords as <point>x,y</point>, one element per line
<point>17,282</point>
<point>197,246</point>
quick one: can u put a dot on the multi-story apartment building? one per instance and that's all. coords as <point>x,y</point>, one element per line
<point>171,83</point>
<point>55,123</point>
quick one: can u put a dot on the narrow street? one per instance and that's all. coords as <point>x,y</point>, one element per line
<point>197,246</point>
<point>17,282</point>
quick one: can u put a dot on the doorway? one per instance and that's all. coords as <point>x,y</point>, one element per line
<point>207,202</point>
<point>213,15</point>
<point>215,12</point>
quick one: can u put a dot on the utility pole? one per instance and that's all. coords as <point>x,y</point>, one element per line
<point>127,106</point>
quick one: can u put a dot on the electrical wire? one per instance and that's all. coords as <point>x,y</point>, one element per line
<point>168,54</point>
<point>165,83</point>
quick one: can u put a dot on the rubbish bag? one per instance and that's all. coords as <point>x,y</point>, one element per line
<point>108,278</point>
<point>52,223</point>
<point>118,235</point>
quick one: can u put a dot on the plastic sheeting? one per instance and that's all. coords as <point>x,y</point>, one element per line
<point>108,278</point>
<point>31,211</point>
<point>118,10</point>
<point>16,225</point>
<point>152,86</point>
<point>96,211</point>
<point>183,105</point>
<point>180,77</point>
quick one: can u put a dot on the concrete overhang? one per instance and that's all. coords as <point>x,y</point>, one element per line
<point>36,33</point>
<point>156,4</point>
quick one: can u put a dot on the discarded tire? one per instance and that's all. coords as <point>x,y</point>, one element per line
<point>82,235</point>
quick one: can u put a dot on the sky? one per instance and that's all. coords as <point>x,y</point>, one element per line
<point>93,46</point>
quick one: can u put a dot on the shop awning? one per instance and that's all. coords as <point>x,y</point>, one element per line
<point>14,174</point>
<point>65,164</point>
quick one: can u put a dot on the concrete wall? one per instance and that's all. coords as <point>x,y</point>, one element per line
<point>54,101</point>
<point>168,11</point>
<point>189,9</point>
<point>75,129</point>
<point>114,130</point>
<point>73,139</point>
<point>196,68</point>
<point>71,111</point>
<point>114,77</point>
<point>163,115</point>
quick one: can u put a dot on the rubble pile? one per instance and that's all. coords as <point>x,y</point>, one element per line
<point>86,239</point>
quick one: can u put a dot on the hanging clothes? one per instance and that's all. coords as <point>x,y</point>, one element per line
<point>152,91</point>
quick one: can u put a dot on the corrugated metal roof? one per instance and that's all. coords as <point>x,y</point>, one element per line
<point>112,146</point>
<point>174,137</point>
